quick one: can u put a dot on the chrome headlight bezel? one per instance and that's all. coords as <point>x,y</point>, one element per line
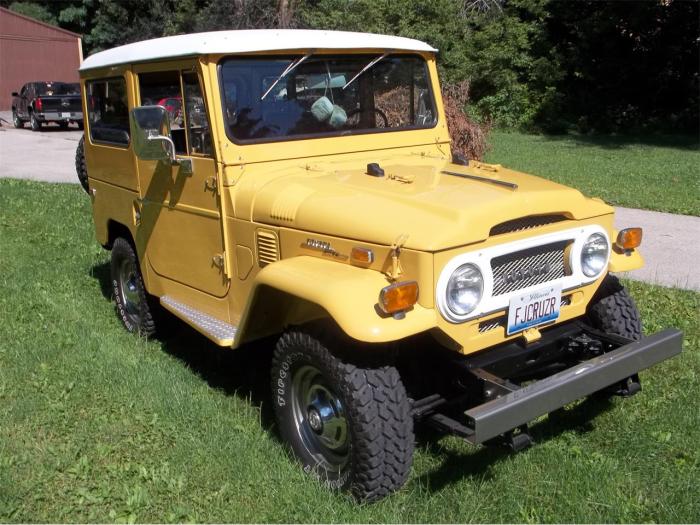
<point>591,267</point>
<point>472,272</point>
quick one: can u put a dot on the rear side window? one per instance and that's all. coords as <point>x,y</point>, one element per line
<point>108,111</point>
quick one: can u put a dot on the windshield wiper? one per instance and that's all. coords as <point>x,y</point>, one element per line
<point>291,67</point>
<point>374,61</point>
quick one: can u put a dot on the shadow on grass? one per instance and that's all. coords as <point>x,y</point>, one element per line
<point>683,142</point>
<point>479,462</point>
<point>244,372</point>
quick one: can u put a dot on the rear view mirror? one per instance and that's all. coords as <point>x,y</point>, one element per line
<point>150,132</point>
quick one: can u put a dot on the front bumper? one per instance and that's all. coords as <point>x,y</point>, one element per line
<point>506,387</point>
<point>524,404</point>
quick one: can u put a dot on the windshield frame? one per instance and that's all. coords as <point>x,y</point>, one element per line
<point>331,134</point>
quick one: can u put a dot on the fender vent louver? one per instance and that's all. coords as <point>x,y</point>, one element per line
<point>525,223</point>
<point>267,247</point>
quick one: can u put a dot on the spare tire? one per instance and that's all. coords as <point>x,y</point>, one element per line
<point>80,167</point>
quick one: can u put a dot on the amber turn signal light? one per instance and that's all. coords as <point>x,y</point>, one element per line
<point>363,256</point>
<point>398,297</point>
<point>629,238</point>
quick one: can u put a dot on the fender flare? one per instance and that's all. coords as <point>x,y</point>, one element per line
<point>346,294</point>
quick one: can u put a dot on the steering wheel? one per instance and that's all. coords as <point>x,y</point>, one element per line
<point>378,112</point>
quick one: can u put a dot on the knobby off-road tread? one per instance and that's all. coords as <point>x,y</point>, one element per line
<point>377,410</point>
<point>80,167</point>
<point>614,311</point>
<point>145,325</point>
<point>397,425</point>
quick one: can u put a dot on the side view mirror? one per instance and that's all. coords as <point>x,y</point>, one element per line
<point>15,94</point>
<point>150,132</point>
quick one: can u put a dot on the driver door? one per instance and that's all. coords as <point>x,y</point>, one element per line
<point>180,224</point>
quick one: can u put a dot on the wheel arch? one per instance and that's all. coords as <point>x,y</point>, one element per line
<point>303,289</point>
<point>115,230</point>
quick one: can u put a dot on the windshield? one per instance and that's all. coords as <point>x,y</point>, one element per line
<point>57,88</point>
<point>320,97</point>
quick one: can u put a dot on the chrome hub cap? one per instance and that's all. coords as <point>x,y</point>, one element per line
<point>128,288</point>
<point>315,421</point>
<point>320,419</point>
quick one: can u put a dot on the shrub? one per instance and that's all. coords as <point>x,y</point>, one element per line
<point>468,136</point>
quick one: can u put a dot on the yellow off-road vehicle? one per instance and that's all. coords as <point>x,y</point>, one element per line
<point>301,183</point>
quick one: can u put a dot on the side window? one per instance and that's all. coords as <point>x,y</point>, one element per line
<point>108,111</point>
<point>163,89</point>
<point>23,91</point>
<point>198,134</point>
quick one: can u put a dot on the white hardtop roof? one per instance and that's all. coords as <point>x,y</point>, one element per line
<point>248,41</point>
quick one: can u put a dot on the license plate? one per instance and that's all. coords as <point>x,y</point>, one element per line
<point>65,115</point>
<point>534,308</point>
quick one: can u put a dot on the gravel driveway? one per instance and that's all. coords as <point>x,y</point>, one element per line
<point>47,155</point>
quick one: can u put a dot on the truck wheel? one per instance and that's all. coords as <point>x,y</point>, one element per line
<point>34,123</point>
<point>80,124</point>
<point>130,294</point>
<point>16,121</point>
<point>613,311</point>
<point>80,167</point>
<point>351,427</point>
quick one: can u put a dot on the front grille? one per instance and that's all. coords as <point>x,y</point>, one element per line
<point>525,223</point>
<point>492,324</point>
<point>518,270</point>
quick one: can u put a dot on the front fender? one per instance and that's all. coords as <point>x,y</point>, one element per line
<point>347,294</point>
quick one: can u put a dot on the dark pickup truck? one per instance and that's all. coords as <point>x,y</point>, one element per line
<point>44,102</point>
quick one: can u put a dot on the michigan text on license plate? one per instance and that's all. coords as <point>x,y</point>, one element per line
<point>534,308</point>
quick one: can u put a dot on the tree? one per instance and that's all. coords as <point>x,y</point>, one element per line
<point>34,10</point>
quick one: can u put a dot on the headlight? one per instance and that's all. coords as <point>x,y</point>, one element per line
<point>464,289</point>
<point>594,255</point>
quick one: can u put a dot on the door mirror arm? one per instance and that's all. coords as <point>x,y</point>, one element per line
<point>150,130</point>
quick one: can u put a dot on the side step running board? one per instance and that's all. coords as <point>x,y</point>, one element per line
<point>222,333</point>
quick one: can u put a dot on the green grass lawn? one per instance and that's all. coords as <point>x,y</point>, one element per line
<point>97,425</point>
<point>654,173</point>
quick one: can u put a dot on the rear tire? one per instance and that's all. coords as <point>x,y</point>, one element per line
<point>351,427</point>
<point>34,122</point>
<point>133,303</point>
<point>80,166</point>
<point>613,311</point>
<point>16,121</point>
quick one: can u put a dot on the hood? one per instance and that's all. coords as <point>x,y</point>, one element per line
<point>435,210</point>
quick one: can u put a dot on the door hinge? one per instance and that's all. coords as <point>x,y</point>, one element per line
<point>219,260</point>
<point>210,184</point>
<point>136,217</point>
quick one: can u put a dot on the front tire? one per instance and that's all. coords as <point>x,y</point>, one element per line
<point>130,295</point>
<point>351,427</point>
<point>613,310</point>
